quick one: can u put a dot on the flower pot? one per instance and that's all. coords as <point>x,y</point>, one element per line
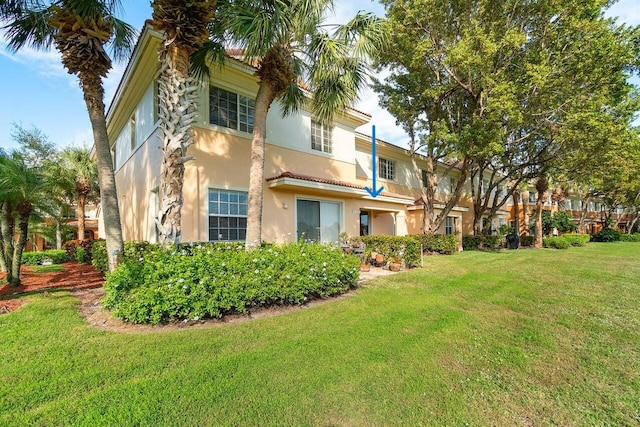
<point>365,267</point>
<point>395,266</point>
<point>379,258</point>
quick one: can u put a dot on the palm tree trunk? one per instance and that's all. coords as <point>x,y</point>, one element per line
<point>264,98</point>
<point>93,97</point>
<point>6,228</point>
<point>58,235</point>
<point>4,246</point>
<point>82,199</point>
<point>537,242</point>
<point>177,101</point>
<point>24,212</point>
<point>583,213</point>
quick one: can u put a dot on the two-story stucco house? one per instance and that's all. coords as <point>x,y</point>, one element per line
<point>315,174</point>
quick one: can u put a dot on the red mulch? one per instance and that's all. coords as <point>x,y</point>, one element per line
<point>75,276</point>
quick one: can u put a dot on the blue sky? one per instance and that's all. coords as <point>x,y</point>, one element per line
<point>38,92</point>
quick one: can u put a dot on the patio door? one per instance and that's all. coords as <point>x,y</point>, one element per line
<point>318,220</point>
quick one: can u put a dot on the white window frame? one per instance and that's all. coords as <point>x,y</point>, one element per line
<point>228,215</point>
<point>322,199</point>
<point>244,111</point>
<point>449,225</point>
<point>321,137</point>
<point>386,169</point>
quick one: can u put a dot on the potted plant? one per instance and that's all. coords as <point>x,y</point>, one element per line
<point>396,264</point>
<point>364,263</point>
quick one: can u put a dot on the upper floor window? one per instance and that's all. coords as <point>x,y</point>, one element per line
<point>386,169</point>
<point>321,137</point>
<point>424,177</point>
<point>132,130</point>
<point>231,110</point>
<point>532,197</point>
<point>576,205</point>
<point>452,185</point>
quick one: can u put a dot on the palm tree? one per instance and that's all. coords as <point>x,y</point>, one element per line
<point>186,28</point>
<point>289,43</point>
<point>78,175</point>
<point>80,30</point>
<point>22,189</point>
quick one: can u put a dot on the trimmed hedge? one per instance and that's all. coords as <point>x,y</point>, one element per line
<point>57,256</point>
<point>407,248</point>
<point>607,235</point>
<point>132,250</point>
<point>472,243</point>
<point>635,237</point>
<point>527,241</point>
<point>576,239</point>
<point>441,243</point>
<point>214,280</point>
<point>556,243</point>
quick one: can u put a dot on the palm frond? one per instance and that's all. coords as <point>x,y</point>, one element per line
<point>123,40</point>
<point>29,27</point>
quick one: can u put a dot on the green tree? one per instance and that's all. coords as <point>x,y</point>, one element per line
<point>289,43</point>
<point>22,189</point>
<point>80,31</point>
<point>77,175</point>
<point>186,28</point>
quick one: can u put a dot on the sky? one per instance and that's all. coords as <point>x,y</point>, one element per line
<point>38,92</point>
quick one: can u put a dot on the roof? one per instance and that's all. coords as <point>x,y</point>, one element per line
<point>319,180</point>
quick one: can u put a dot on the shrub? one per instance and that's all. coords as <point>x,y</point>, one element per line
<point>556,243</point>
<point>57,256</point>
<point>81,255</point>
<point>407,248</point>
<point>441,243</point>
<point>132,250</point>
<point>607,235</point>
<point>577,239</point>
<point>635,237</point>
<point>214,280</point>
<point>471,242</point>
<point>71,245</point>
<point>527,241</point>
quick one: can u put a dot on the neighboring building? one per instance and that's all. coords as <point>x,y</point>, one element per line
<point>315,175</point>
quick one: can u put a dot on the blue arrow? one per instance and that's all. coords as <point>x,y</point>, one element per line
<point>373,192</point>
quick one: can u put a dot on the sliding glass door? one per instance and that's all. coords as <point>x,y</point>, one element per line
<point>318,220</point>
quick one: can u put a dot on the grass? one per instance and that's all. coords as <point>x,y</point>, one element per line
<point>529,337</point>
<point>52,268</point>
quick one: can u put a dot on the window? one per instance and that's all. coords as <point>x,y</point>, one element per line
<point>227,215</point>
<point>452,185</point>
<point>532,197</point>
<point>576,205</point>
<point>231,110</point>
<point>386,169</point>
<point>364,223</point>
<point>318,220</point>
<point>424,177</point>
<point>449,225</point>
<point>321,137</point>
<point>132,128</point>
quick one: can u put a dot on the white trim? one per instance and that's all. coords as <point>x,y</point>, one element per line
<point>208,188</point>
<point>440,206</point>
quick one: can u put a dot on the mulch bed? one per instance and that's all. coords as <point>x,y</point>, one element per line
<point>74,277</point>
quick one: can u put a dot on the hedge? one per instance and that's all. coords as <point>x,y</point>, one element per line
<point>71,248</point>
<point>576,239</point>
<point>607,235</point>
<point>472,243</point>
<point>635,237</point>
<point>527,241</point>
<point>132,250</point>
<point>556,243</point>
<point>56,256</point>
<point>441,243</point>
<point>407,248</point>
<point>211,281</point>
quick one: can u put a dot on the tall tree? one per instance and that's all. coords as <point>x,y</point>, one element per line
<point>289,42</point>
<point>78,175</point>
<point>186,28</point>
<point>80,31</point>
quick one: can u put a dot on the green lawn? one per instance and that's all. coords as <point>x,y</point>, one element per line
<point>528,337</point>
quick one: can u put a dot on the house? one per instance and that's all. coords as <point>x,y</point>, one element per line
<point>315,174</point>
